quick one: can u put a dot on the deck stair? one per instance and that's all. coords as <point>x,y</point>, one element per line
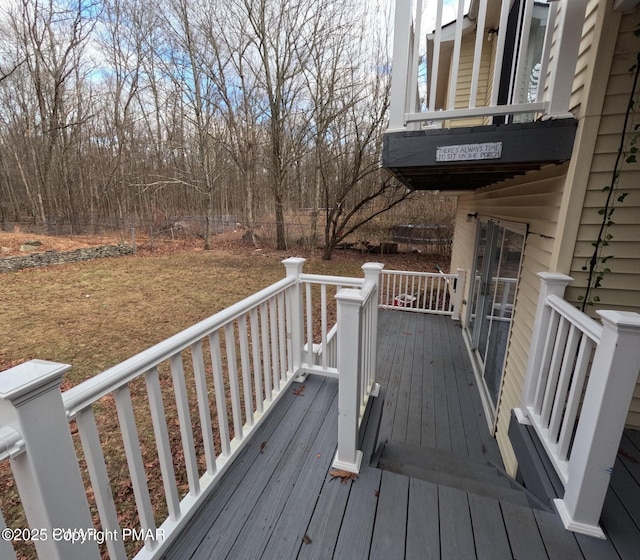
<point>447,469</point>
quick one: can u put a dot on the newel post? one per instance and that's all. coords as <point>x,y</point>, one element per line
<point>614,374</point>
<point>348,457</point>
<point>458,292</point>
<point>551,283</point>
<point>372,273</point>
<point>295,321</point>
<point>46,473</point>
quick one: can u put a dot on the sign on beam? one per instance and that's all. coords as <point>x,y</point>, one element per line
<point>467,152</point>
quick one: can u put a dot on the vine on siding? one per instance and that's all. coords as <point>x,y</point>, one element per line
<point>627,153</point>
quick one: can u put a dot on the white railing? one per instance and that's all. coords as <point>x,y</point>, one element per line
<point>555,71</point>
<point>320,348</point>
<point>357,339</point>
<point>215,382</point>
<point>422,292</point>
<point>580,380</point>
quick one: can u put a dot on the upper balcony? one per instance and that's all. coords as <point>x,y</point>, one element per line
<point>484,96</point>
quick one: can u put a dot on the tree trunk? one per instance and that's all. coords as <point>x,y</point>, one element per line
<point>281,234</point>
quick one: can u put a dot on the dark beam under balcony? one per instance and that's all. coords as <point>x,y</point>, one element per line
<point>416,157</point>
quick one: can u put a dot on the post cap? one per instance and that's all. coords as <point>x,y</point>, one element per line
<point>30,378</point>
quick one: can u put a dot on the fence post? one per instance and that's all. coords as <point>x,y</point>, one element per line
<point>46,473</point>
<point>295,323</point>
<point>457,296</point>
<point>348,457</point>
<point>551,283</point>
<point>614,374</point>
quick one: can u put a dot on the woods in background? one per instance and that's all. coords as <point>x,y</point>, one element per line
<point>251,108</point>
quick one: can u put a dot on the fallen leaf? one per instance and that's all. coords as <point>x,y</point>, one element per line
<point>298,392</point>
<point>306,539</point>
<point>262,446</point>
<point>344,476</point>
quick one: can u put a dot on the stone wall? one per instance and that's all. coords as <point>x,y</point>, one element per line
<point>53,257</point>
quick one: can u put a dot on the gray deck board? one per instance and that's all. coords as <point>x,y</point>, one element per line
<point>489,532</point>
<point>428,428</point>
<point>359,514</point>
<point>257,519</point>
<point>414,410</point>
<point>389,533</point>
<point>560,544</point>
<point>456,530</point>
<point>524,535</point>
<point>277,500</point>
<point>326,521</point>
<point>442,427</point>
<point>288,533</point>
<point>423,522</point>
<point>454,406</point>
<point>241,474</point>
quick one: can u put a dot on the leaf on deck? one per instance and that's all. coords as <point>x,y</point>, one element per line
<point>344,476</point>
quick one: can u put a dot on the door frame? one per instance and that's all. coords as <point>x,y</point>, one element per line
<point>472,335</point>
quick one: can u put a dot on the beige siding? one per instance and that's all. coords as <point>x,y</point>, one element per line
<point>621,288</point>
<point>465,72</point>
<point>584,68</point>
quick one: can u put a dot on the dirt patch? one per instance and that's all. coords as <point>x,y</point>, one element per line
<point>10,243</point>
<point>230,242</point>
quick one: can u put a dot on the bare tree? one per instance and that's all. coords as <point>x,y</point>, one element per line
<point>281,29</point>
<point>351,98</point>
<point>50,37</point>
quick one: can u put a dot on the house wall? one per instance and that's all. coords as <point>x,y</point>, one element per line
<point>561,204</point>
<point>465,72</point>
<point>621,287</point>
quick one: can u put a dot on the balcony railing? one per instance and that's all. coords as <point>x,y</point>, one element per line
<point>581,376</point>
<point>426,89</point>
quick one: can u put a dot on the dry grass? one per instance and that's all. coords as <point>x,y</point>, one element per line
<point>95,314</point>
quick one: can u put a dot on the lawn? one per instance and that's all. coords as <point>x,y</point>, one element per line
<point>95,314</point>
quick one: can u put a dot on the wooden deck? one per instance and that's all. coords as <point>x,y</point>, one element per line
<point>430,486</point>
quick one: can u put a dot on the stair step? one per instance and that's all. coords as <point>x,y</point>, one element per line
<point>436,460</point>
<point>441,467</point>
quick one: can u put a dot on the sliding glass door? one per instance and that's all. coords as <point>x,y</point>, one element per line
<point>498,254</point>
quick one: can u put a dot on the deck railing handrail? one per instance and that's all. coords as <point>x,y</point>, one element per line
<point>555,72</point>
<point>579,383</point>
<point>320,348</point>
<point>85,394</point>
